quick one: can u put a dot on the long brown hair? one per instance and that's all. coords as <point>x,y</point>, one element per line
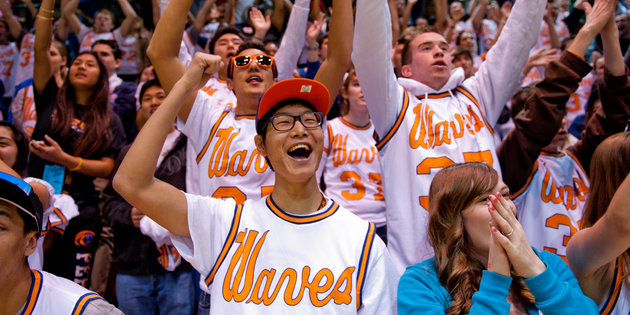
<point>609,167</point>
<point>452,190</point>
<point>97,135</point>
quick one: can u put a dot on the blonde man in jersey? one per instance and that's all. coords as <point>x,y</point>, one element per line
<point>248,252</point>
<point>431,117</point>
<point>24,290</point>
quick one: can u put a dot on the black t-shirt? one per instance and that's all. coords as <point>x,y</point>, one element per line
<point>81,186</point>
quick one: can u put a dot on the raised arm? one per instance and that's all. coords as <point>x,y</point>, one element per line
<point>130,17</point>
<point>15,28</point>
<point>135,179</point>
<point>477,14</point>
<point>608,238</point>
<point>338,59</point>
<point>202,15</point>
<point>499,76</point>
<point>553,34</point>
<point>163,50</point>
<point>68,13</point>
<point>292,41</point>
<point>261,24</point>
<point>43,34</point>
<point>612,116</point>
<point>371,56</point>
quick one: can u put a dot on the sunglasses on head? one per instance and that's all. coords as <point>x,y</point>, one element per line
<point>245,60</point>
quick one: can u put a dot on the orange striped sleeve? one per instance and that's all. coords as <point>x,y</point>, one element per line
<point>527,182</point>
<point>83,301</point>
<point>227,245</point>
<point>397,124</point>
<point>363,264</point>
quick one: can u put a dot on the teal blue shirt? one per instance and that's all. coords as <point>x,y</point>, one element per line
<point>556,291</point>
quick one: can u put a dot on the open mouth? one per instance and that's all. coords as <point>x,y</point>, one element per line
<point>300,151</point>
<point>439,63</point>
<point>254,79</point>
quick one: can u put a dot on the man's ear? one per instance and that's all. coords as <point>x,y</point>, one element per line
<point>118,62</point>
<point>30,243</point>
<point>405,70</point>
<point>229,84</point>
<point>258,139</point>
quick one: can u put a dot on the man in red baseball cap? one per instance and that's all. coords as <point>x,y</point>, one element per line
<point>295,234</point>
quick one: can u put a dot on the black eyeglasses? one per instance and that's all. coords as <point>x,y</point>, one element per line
<point>284,122</point>
<point>245,60</point>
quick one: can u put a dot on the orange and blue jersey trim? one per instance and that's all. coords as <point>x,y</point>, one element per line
<point>83,301</point>
<point>469,95</point>
<point>34,291</point>
<point>569,153</point>
<point>212,132</point>
<point>559,154</point>
<point>363,263</point>
<point>399,120</point>
<point>347,123</point>
<point>615,291</point>
<point>527,182</point>
<point>301,219</point>
<point>238,211</point>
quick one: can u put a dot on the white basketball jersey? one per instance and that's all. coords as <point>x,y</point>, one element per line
<point>487,35</point>
<point>260,259</point>
<point>88,37</point>
<point>24,69</point>
<point>576,105</point>
<point>618,300</point>
<point>50,294</point>
<point>8,67</point>
<point>352,170</point>
<point>229,164</point>
<point>129,53</point>
<point>551,204</point>
<point>217,89</point>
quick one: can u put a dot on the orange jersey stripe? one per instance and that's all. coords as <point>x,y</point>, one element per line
<point>228,244</point>
<point>301,219</point>
<point>33,294</point>
<point>212,132</point>
<point>609,305</point>
<point>527,182</point>
<point>365,255</point>
<point>398,122</point>
<point>474,100</point>
<point>83,302</point>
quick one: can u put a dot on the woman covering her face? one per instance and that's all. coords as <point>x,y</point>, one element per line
<point>483,262</point>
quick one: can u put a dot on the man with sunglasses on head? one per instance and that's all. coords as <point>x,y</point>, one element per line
<point>229,164</point>
<point>295,251</point>
<point>432,116</point>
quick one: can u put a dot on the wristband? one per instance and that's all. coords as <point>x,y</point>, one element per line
<point>78,167</point>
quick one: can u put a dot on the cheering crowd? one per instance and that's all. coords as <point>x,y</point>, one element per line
<point>316,157</point>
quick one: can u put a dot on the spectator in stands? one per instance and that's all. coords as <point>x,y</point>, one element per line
<point>121,93</point>
<point>76,139</point>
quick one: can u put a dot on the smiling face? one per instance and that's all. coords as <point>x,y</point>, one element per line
<point>295,153</point>
<point>467,41</point>
<point>84,71</point>
<point>353,94</point>
<point>457,10</point>
<point>475,219</point>
<point>430,62</point>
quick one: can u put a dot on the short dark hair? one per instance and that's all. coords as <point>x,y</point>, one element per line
<point>406,52</point>
<point>249,44</point>
<point>147,85</point>
<point>110,43</point>
<point>222,31</point>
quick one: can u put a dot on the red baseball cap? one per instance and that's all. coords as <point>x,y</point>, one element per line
<point>310,91</point>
